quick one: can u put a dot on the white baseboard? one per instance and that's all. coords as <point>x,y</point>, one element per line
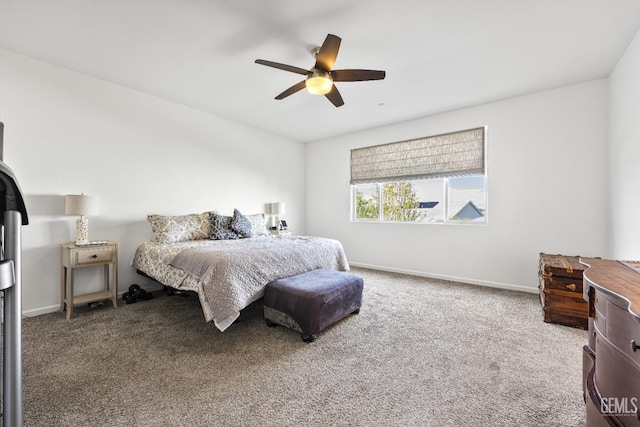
<point>41,310</point>
<point>486,283</point>
<point>53,308</point>
<point>490,284</point>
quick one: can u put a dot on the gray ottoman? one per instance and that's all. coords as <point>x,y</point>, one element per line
<point>310,302</point>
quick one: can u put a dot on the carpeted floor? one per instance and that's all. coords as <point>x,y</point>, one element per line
<point>421,352</point>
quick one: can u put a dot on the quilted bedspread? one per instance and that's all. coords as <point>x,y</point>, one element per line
<point>228,275</point>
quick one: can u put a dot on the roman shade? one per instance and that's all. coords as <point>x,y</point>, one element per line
<point>452,154</point>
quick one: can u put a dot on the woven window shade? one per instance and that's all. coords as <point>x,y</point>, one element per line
<point>452,154</point>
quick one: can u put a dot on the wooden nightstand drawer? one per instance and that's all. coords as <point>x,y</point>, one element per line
<point>98,255</point>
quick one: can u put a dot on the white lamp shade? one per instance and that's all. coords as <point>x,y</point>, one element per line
<point>278,208</point>
<point>80,204</point>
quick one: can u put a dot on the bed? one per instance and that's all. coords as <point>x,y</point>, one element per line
<point>229,274</point>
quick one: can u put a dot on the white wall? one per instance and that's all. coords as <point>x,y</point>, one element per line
<point>547,191</point>
<point>69,133</point>
<point>624,154</point>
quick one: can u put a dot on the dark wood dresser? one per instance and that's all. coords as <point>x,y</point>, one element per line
<point>611,361</point>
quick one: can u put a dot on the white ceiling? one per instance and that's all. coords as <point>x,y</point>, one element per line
<point>439,55</point>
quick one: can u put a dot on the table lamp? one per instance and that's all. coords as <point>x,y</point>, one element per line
<point>81,204</point>
<point>278,209</point>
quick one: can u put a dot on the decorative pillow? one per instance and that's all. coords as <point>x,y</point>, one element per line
<point>220,226</point>
<point>240,224</point>
<point>258,224</point>
<point>172,229</point>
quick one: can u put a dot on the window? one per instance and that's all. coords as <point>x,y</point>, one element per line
<point>439,179</point>
<point>367,204</point>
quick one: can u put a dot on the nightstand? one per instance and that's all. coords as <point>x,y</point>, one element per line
<point>73,257</point>
<point>280,233</point>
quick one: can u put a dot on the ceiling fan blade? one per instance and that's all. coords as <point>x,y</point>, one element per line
<point>356,75</point>
<point>284,67</point>
<point>293,89</point>
<point>328,52</point>
<point>335,97</point>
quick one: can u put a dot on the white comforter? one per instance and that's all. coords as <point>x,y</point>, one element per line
<point>228,275</point>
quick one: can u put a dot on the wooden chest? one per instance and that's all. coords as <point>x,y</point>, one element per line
<point>561,290</point>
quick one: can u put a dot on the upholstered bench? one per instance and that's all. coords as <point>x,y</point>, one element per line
<point>311,301</point>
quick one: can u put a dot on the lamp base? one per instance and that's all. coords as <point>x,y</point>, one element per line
<point>82,231</point>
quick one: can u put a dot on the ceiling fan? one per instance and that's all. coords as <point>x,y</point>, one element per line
<point>319,79</point>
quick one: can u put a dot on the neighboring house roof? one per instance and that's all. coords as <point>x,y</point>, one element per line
<point>427,205</point>
<point>469,211</point>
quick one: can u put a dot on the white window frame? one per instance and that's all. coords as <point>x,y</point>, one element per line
<point>446,217</point>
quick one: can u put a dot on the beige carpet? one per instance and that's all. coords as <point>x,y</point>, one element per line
<point>420,353</point>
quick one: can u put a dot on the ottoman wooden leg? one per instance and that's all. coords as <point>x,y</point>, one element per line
<point>271,324</point>
<point>308,338</point>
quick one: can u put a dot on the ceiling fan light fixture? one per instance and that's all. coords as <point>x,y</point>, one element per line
<point>319,82</point>
<point>319,79</point>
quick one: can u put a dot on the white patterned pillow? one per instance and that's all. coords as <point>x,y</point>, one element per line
<point>172,229</point>
<point>258,224</point>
